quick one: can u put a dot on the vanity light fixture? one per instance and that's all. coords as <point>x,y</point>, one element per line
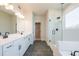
<point>3,4</point>
<point>9,7</point>
<point>19,14</point>
<point>22,16</point>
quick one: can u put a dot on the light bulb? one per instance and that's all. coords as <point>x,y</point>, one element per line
<point>19,14</point>
<point>9,7</point>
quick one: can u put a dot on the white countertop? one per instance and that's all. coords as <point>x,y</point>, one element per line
<point>10,38</point>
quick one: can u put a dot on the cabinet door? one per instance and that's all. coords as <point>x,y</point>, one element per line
<point>26,43</point>
<point>22,46</point>
<point>10,50</point>
<point>17,45</point>
<point>0,50</point>
<point>31,39</point>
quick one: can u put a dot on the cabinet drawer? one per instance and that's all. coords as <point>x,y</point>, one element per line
<point>8,49</point>
<point>7,46</point>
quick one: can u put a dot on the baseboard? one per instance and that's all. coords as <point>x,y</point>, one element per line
<point>40,39</point>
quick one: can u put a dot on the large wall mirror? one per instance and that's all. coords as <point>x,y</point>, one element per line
<point>8,22</point>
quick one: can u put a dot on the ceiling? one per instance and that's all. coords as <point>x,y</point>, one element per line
<point>39,8</point>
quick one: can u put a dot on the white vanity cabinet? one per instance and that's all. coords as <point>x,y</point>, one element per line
<point>31,39</point>
<point>10,50</point>
<point>27,41</point>
<point>0,50</point>
<point>24,45</point>
<point>22,48</point>
<point>17,47</point>
<point>17,44</point>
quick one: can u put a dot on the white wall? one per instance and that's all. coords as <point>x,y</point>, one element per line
<point>28,22</point>
<point>25,24</point>
<point>6,24</point>
<point>42,20</point>
<point>71,34</point>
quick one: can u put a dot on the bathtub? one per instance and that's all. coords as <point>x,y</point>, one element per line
<point>67,47</point>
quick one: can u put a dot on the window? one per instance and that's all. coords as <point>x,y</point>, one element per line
<point>72,19</point>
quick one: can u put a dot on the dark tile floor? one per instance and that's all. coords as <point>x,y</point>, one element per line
<point>39,48</point>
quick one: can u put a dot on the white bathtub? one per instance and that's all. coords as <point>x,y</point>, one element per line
<point>66,47</point>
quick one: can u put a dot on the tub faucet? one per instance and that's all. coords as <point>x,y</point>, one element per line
<point>74,53</point>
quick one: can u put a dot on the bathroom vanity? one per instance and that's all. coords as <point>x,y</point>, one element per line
<point>0,50</point>
<point>15,44</point>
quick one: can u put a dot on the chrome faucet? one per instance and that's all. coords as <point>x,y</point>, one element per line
<point>74,53</point>
<point>0,33</point>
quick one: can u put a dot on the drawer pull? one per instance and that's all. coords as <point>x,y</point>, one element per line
<point>19,47</point>
<point>28,38</point>
<point>9,46</point>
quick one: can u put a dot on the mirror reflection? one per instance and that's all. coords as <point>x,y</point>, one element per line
<point>7,22</point>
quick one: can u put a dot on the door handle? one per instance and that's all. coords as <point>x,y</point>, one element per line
<point>9,46</point>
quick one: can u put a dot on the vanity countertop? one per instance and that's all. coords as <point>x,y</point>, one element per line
<point>10,38</point>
